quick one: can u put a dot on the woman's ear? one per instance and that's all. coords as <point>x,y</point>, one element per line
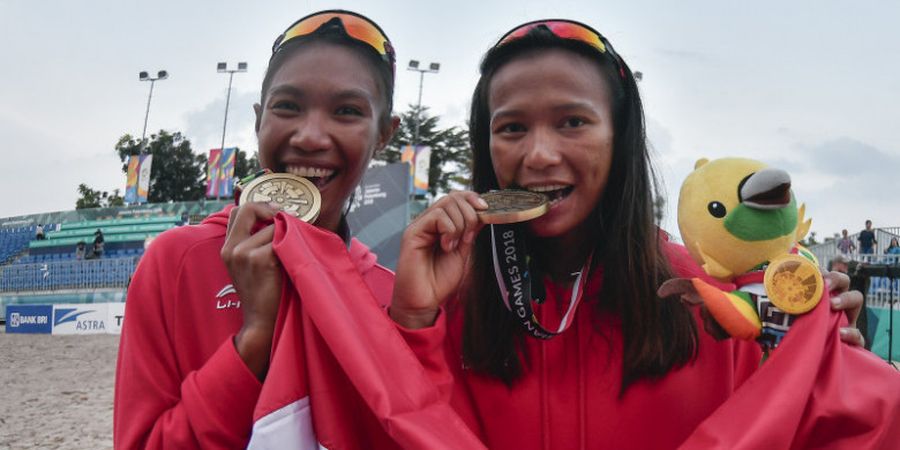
<point>257,109</point>
<point>388,133</point>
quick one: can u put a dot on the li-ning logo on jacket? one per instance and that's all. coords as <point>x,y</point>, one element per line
<point>222,303</point>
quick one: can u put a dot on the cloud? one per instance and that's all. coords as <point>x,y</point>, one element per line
<point>855,160</point>
<point>685,55</point>
<point>203,126</point>
<point>845,181</point>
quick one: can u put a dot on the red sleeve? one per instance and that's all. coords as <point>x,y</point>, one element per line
<point>428,346</point>
<point>157,407</point>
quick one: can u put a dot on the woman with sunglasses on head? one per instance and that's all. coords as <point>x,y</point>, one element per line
<point>557,111</point>
<point>203,304</point>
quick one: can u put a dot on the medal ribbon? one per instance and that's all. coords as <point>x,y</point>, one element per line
<point>514,280</point>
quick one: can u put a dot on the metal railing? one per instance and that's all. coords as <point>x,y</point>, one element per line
<point>826,251</point>
<point>881,291</point>
<point>55,276</point>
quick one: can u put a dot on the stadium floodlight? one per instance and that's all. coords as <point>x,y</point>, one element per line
<point>144,76</point>
<point>432,68</point>
<point>223,68</point>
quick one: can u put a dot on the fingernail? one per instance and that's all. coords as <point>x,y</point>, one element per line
<point>844,331</point>
<point>482,203</point>
<point>836,301</point>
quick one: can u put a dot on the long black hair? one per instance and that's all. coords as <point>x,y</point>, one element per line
<point>658,334</point>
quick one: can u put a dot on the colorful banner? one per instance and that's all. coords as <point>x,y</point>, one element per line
<point>423,164</point>
<point>226,172</point>
<point>212,173</point>
<point>146,162</point>
<point>419,159</point>
<point>132,179</point>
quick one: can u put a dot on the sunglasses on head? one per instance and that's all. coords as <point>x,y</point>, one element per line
<point>566,29</point>
<point>354,25</point>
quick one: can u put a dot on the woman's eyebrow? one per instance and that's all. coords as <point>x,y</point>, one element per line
<point>355,94</point>
<point>286,89</point>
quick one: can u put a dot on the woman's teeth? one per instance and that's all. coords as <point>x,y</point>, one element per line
<point>317,175</point>
<point>554,192</point>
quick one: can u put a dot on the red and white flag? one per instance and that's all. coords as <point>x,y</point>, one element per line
<point>340,374</point>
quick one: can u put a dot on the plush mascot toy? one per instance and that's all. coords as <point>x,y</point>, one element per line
<point>740,222</point>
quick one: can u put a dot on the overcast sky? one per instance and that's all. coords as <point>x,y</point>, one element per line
<point>810,86</point>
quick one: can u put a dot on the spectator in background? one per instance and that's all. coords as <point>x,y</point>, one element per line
<point>867,239</point>
<point>845,244</point>
<point>894,248</point>
<point>39,232</point>
<point>840,263</point>
<point>80,250</point>
<point>98,244</point>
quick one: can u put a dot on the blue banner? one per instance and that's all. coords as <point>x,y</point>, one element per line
<point>29,319</point>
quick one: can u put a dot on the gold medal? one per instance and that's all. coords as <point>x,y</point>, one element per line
<point>294,194</point>
<point>512,206</point>
<point>793,284</point>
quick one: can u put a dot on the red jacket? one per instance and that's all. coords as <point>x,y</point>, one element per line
<point>568,398</point>
<point>179,380</point>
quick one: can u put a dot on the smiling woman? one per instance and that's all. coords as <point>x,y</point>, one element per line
<point>557,111</point>
<point>190,372</point>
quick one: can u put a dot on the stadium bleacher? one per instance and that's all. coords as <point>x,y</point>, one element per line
<point>51,264</point>
<point>15,240</point>
<point>48,271</point>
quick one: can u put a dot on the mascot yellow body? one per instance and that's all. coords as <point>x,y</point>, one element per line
<point>738,217</point>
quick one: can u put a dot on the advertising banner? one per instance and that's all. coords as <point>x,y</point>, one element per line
<point>380,210</point>
<point>131,179</point>
<point>85,318</point>
<point>212,173</point>
<point>146,162</point>
<point>115,317</point>
<point>29,319</point>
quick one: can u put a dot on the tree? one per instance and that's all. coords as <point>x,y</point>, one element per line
<point>97,199</point>
<point>177,173</point>
<point>243,166</point>
<point>451,157</point>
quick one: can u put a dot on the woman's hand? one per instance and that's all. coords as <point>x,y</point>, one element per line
<point>433,255</point>
<point>257,277</point>
<point>843,299</point>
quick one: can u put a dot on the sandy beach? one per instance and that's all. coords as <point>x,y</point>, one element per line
<point>57,391</point>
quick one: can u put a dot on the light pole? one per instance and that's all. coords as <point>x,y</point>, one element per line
<point>144,76</point>
<point>432,68</point>
<point>223,68</point>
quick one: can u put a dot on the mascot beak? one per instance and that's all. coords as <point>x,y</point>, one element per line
<point>767,189</point>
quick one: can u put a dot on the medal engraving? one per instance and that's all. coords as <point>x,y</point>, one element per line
<point>295,195</point>
<point>793,284</point>
<point>511,206</point>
